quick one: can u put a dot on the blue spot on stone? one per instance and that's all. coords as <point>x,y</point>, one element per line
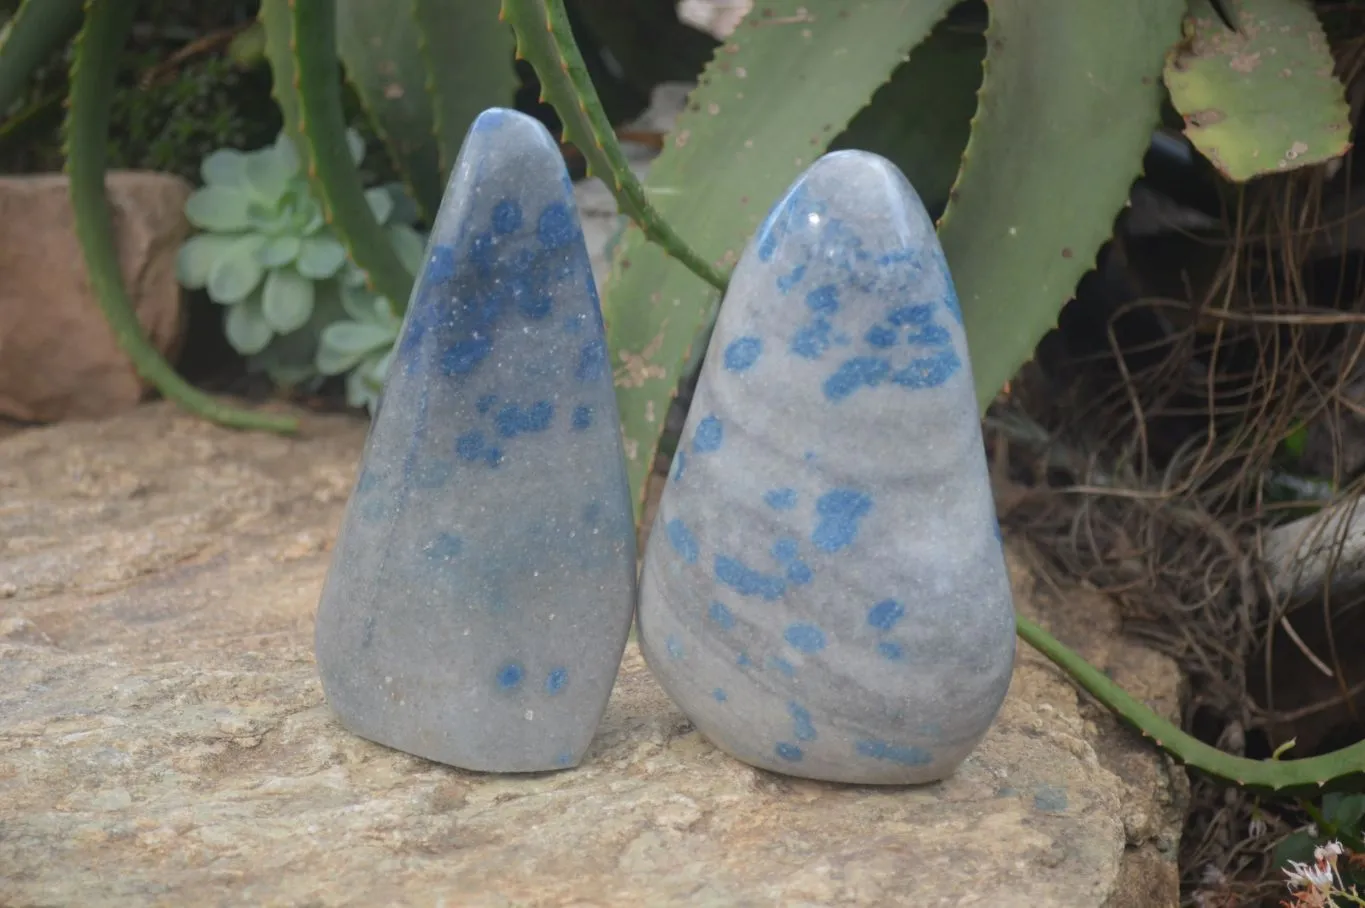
<point>720,695</point>
<point>506,217</point>
<point>789,280</point>
<point>574,324</point>
<point>780,499</point>
<point>535,305</point>
<point>856,372</point>
<point>510,675</point>
<point>1050,799</point>
<point>486,402</point>
<point>891,650</point>
<point>881,336</point>
<point>431,474</point>
<point>481,251</point>
<point>582,417</point>
<point>708,435</point>
<point>592,360</point>
<point>592,512</point>
<point>513,420</point>
<point>784,550</point>
<point>464,356</point>
<point>810,456</point>
<point>556,225</point>
<point>493,457</point>
<point>783,666</point>
<point>839,512</point>
<point>721,615</point>
<point>906,756</point>
<point>682,540</point>
<point>928,371</point>
<point>564,759</point>
<point>824,300</point>
<point>812,340</point>
<point>803,727</point>
<point>789,752</point>
<point>444,546</point>
<point>915,314</point>
<point>675,648</point>
<point>746,581</point>
<point>930,335</point>
<point>679,465</point>
<point>469,446</point>
<point>884,615</point>
<point>555,680</point>
<point>799,573</point>
<point>441,266</point>
<point>806,637</point>
<point>742,352</point>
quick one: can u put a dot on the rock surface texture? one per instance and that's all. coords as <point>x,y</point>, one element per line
<point>826,592</point>
<point>483,581</point>
<point>164,739</point>
<point>58,356</point>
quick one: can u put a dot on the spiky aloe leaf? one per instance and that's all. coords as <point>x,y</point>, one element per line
<point>93,68</point>
<point>921,119</point>
<point>546,41</point>
<point>469,60</point>
<point>786,83</point>
<point>301,47</point>
<point>1064,116</point>
<point>30,36</point>
<point>1263,98</point>
<point>379,43</point>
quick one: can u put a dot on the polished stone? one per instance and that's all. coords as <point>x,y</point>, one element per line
<point>824,590</point>
<point>483,582</point>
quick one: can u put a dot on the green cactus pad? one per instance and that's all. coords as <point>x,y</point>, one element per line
<point>1064,116</point>
<point>1261,99</point>
<point>785,84</point>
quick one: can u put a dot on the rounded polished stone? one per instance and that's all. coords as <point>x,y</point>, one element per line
<point>824,590</point>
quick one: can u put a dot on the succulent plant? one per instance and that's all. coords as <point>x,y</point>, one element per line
<point>265,244</point>
<point>361,346</point>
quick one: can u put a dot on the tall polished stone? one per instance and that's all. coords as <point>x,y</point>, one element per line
<point>483,582</point>
<point>824,589</point>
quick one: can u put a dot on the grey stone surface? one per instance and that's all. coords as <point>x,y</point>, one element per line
<point>483,582</point>
<point>164,740</point>
<point>825,591</point>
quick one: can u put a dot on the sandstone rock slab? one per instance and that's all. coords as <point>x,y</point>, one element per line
<point>58,356</point>
<point>164,741</point>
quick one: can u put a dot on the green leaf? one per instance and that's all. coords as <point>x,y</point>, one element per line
<point>236,272</point>
<point>1064,117</point>
<point>246,328</point>
<point>1297,846</point>
<point>344,344</point>
<point>267,175</point>
<point>921,119</point>
<point>356,145</point>
<point>411,247</point>
<point>279,251</point>
<point>469,61</point>
<point>1344,810</point>
<point>225,167</point>
<point>378,42</point>
<point>745,136</point>
<point>288,155</point>
<point>217,208</point>
<point>380,202</point>
<point>1261,99</point>
<point>320,257</point>
<point>287,300</point>
<point>405,209</point>
<point>197,256</point>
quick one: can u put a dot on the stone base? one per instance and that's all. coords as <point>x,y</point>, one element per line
<point>164,741</point>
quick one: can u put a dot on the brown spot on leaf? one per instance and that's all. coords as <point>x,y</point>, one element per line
<point>744,200</point>
<point>1245,63</point>
<point>1206,117</point>
<point>1066,252</point>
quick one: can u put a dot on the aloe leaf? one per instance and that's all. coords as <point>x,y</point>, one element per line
<point>1263,98</point>
<point>921,119</point>
<point>379,45</point>
<point>286,300</point>
<point>745,136</point>
<point>29,38</point>
<point>468,56</point>
<point>1064,116</point>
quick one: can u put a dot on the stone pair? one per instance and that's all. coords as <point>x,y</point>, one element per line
<point>824,592</point>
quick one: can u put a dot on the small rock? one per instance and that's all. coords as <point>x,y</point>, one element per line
<point>58,356</point>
